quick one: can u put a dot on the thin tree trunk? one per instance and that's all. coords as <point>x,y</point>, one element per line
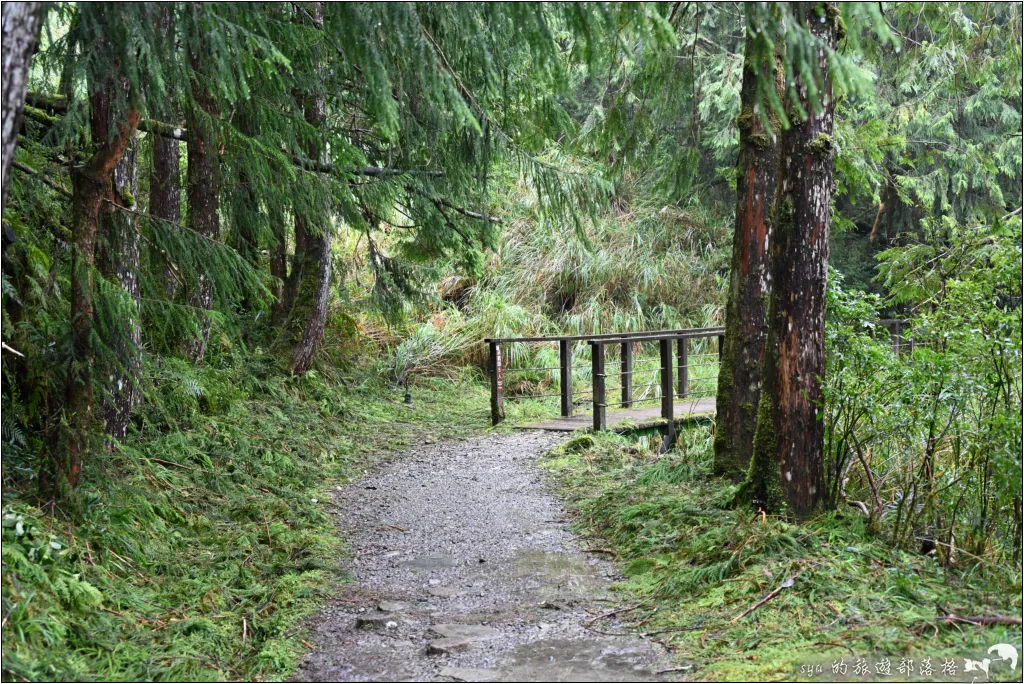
<point>739,377</point>
<point>118,259</point>
<point>165,174</point>
<point>290,285</point>
<point>20,31</point>
<point>245,207</point>
<point>786,472</point>
<point>278,260</point>
<point>91,188</point>
<point>311,270</point>
<point>203,196</point>
<point>165,195</point>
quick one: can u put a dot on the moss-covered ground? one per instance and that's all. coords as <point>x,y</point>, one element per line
<point>195,552</point>
<point>698,571</point>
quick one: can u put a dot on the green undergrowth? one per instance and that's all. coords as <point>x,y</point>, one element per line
<point>695,567</point>
<point>194,551</point>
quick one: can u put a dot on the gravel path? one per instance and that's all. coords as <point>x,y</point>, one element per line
<point>465,570</point>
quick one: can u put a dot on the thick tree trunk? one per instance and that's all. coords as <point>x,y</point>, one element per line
<point>312,300</point>
<point>165,195</point>
<point>118,260</point>
<point>203,196</point>
<point>786,470</point>
<point>91,188</point>
<point>310,280</point>
<point>739,377</point>
<point>20,31</point>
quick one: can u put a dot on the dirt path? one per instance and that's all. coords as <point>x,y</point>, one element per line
<point>465,570</point>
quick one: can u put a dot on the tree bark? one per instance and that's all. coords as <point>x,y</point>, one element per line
<point>20,30</point>
<point>165,195</point>
<point>91,188</point>
<point>739,376</point>
<point>278,260</point>
<point>786,470</point>
<point>311,270</point>
<point>203,195</point>
<point>165,173</point>
<point>117,256</point>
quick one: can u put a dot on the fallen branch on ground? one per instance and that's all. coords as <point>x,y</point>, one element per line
<point>788,583</point>
<point>610,613</point>
<point>981,620</point>
<point>610,552</point>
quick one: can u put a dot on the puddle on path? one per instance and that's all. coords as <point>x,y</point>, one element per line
<point>567,660</point>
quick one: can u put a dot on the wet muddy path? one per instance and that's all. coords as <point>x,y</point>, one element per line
<point>465,569</point>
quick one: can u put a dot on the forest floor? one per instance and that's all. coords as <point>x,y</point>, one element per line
<point>464,568</point>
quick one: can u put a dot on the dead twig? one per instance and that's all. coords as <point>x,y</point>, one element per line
<point>772,594</point>
<point>674,629</point>
<point>981,620</point>
<point>610,552</point>
<point>683,668</point>
<point>610,613</point>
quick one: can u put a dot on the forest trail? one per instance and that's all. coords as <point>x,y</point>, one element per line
<point>465,569</point>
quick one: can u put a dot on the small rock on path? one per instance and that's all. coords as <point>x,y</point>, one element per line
<point>465,570</point>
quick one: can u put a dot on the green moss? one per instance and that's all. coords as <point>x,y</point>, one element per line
<point>783,221</point>
<point>820,145</point>
<point>745,120</point>
<point>762,489</point>
<point>41,116</point>
<point>127,197</point>
<point>836,17</point>
<point>761,141</point>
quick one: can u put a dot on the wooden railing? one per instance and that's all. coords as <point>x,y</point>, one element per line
<point>672,381</point>
<point>674,378</point>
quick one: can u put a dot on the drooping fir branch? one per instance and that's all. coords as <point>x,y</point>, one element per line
<point>42,106</point>
<point>42,177</point>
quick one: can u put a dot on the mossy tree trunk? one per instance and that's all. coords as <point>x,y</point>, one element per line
<point>91,188</point>
<point>786,468</point>
<point>203,191</point>
<point>311,269</point>
<point>117,256</point>
<point>278,258</point>
<point>165,174</point>
<point>165,194</point>
<point>739,377</point>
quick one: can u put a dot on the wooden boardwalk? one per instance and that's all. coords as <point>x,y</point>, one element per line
<point>631,419</point>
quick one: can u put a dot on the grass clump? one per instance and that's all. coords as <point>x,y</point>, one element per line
<point>698,567</point>
<point>194,551</point>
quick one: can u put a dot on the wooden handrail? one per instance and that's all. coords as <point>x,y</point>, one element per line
<point>692,333</point>
<point>601,336</point>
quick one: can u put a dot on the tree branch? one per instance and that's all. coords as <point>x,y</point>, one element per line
<point>42,177</point>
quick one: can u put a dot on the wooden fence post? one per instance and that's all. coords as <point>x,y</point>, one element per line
<point>667,390</point>
<point>626,354</point>
<point>565,375</point>
<point>497,384</point>
<point>597,368</point>
<point>683,364</point>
